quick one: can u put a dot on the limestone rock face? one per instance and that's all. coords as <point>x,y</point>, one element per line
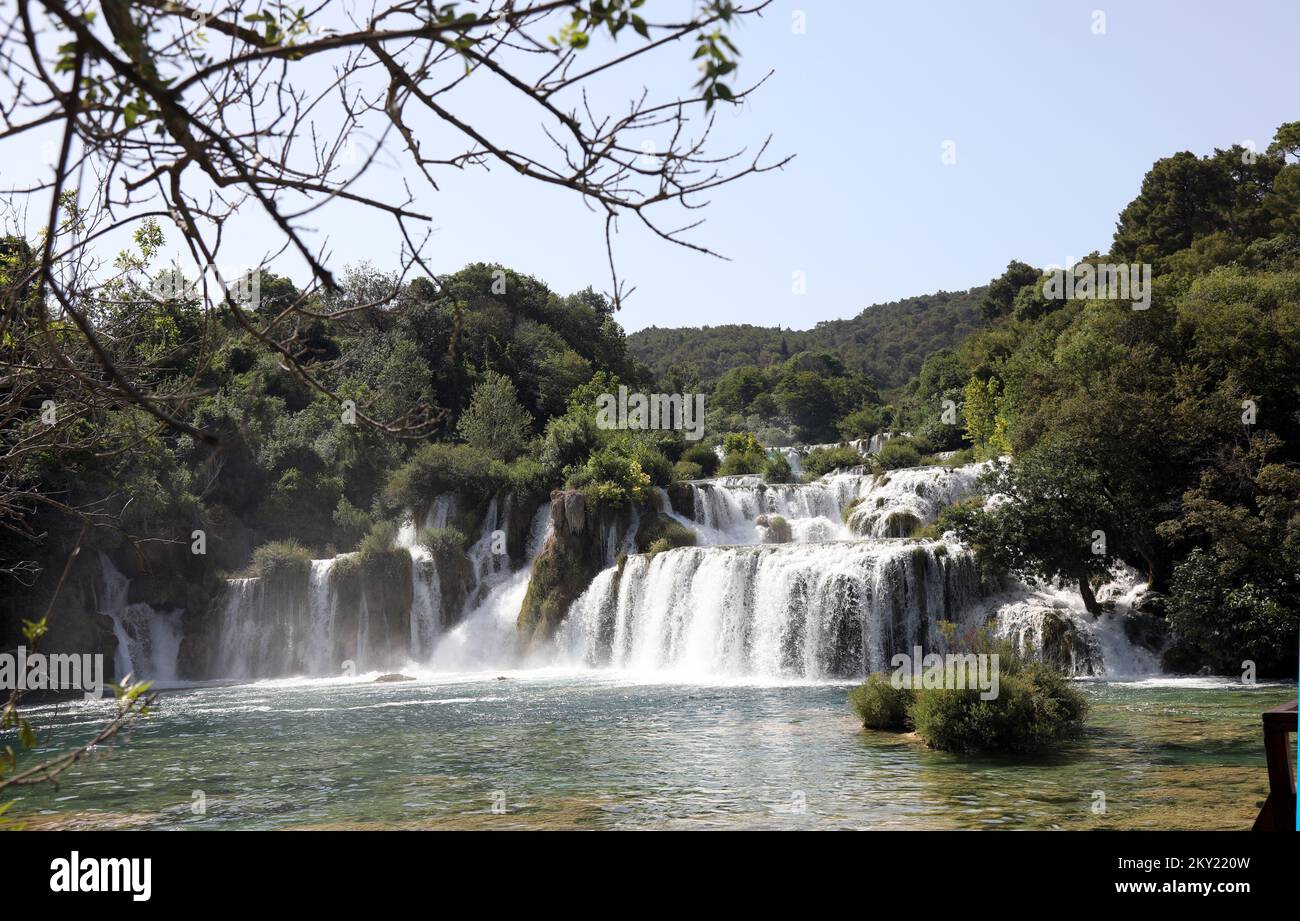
<point>571,558</point>
<point>569,511</point>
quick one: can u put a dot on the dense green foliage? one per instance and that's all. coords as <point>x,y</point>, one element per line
<point>494,357</point>
<point>442,542</point>
<point>659,533</point>
<point>885,342</point>
<point>495,422</point>
<point>1036,708</point>
<point>1166,438</point>
<point>821,461</point>
<point>898,452</point>
<point>279,559</point>
<point>776,469</point>
<point>880,705</point>
<point>801,399</point>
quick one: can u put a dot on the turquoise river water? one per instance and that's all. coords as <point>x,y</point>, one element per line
<point>542,749</point>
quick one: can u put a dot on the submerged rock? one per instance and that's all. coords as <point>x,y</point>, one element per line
<point>391,677</point>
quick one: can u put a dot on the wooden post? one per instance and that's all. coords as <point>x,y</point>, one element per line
<point>1279,813</point>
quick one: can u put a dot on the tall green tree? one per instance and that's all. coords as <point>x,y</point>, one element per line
<point>496,422</point>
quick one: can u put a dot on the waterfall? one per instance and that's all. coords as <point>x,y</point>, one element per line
<point>483,562</point>
<point>148,641</point>
<point>285,628</point>
<point>426,602</point>
<point>289,625</point>
<point>427,615</point>
<point>832,597</point>
<point>310,626</point>
<point>1053,616</point>
<point>796,453</point>
<point>889,505</point>
<point>837,601</point>
<point>807,611</point>
<point>900,499</point>
<point>316,632</point>
<point>244,638</point>
<point>486,637</point>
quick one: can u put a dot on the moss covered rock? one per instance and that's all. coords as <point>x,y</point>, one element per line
<point>569,561</point>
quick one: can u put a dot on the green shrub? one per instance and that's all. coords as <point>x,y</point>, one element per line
<point>821,461</point>
<point>443,542</point>
<point>704,456</point>
<point>659,546</point>
<point>743,455</point>
<point>897,453</point>
<point>949,517</point>
<point>280,558</point>
<point>1036,708</point>
<point>776,469</point>
<point>778,529</point>
<point>569,440</point>
<point>1036,705</point>
<point>740,464</point>
<point>440,468</point>
<point>740,443</point>
<point>959,459</point>
<point>611,478</point>
<point>861,423</point>
<point>902,524</point>
<point>521,477</point>
<point>378,540</point>
<point>848,509</point>
<point>652,462</point>
<point>350,523</point>
<point>659,527</point>
<point>686,470</point>
<point>880,705</point>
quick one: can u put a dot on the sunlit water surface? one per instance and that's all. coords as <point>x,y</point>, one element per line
<point>592,750</point>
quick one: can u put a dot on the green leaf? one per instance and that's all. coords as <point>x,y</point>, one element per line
<point>33,630</point>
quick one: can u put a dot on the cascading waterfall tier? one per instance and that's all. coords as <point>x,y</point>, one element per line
<point>274,626</point>
<point>890,504</point>
<point>486,636</point>
<point>844,592</point>
<point>809,611</point>
<point>795,454</point>
<point>342,614</point>
<point>1052,621</point>
<point>148,641</point>
<point>839,599</point>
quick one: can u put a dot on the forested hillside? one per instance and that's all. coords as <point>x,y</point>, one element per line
<point>887,342</point>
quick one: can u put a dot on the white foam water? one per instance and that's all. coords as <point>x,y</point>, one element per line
<point>808,611</point>
<point>148,641</point>
<point>486,637</point>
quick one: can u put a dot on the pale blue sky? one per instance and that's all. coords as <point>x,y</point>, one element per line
<point>1054,127</point>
